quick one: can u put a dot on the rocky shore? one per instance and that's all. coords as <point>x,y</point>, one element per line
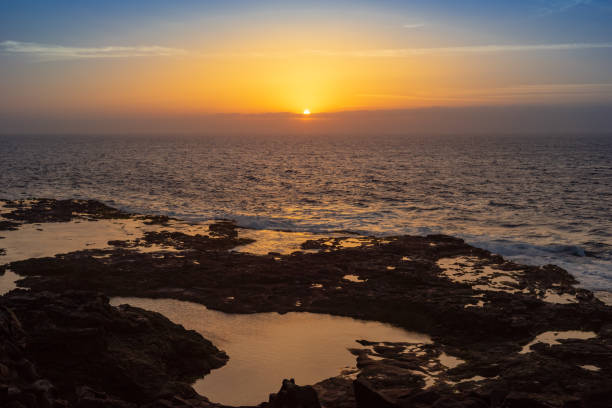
<point>74,349</point>
<point>520,336</point>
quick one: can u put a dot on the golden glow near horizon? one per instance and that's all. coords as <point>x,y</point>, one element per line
<point>201,85</point>
<point>306,112</point>
<point>285,83</point>
<point>272,65</point>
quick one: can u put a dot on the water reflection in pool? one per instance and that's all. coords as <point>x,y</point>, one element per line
<point>8,281</point>
<point>264,348</point>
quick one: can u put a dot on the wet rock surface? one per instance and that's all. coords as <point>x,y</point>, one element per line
<point>181,241</point>
<point>479,308</point>
<point>406,375</point>
<point>8,226</point>
<point>50,210</point>
<point>42,210</point>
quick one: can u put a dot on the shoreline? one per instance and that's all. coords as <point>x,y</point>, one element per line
<point>589,267</point>
<point>257,241</point>
<point>469,300</point>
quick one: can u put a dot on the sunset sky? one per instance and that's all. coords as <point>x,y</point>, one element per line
<point>66,64</point>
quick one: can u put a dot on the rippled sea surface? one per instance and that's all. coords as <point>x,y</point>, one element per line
<point>535,199</point>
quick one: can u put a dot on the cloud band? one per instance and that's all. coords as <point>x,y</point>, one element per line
<point>67,52</point>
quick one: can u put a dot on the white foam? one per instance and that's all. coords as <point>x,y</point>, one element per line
<point>592,273</point>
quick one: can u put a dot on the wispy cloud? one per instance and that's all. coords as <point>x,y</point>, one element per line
<point>61,52</point>
<point>413,25</point>
<point>50,51</point>
<point>546,7</point>
<point>592,90</point>
<point>470,49</point>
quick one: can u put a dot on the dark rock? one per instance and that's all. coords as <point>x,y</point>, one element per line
<point>50,210</point>
<point>157,219</point>
<point>9,226</point>
<point>454,403</point>
<point>224,229</point>
<point>294,396</point>
<point>367,397</point>
<point>89,398</point>
<point>599,399</point>
<point>336,392</point>
<point>518,399</point>
<point>76,339</point>
<point>181,241</point>
<point>427,397</point>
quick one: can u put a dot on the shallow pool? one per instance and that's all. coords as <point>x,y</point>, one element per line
<point>264,348</point>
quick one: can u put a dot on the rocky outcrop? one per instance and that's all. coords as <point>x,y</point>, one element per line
<point>292,395</point>
<point>20,384</point>
<point>50,210</point>
<point>182,242</point>
<point>74,349</point>
<point>366,396</point>
<point>8,226</point>
<point>572,373</point>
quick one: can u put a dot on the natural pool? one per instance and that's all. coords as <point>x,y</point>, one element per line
<point>264,348</point>
<point>8,281</point>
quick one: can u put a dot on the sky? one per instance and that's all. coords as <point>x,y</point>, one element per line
<point>197,66</point>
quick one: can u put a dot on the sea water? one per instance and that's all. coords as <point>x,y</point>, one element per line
<point>535,199</point>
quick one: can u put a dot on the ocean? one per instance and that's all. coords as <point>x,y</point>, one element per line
<point>534,199</point>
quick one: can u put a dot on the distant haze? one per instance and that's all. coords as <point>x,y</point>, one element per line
<point>498,119</point>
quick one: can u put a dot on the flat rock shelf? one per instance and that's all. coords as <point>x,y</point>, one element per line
<point>394,321</point>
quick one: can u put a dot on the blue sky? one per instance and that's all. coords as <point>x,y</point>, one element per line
<point>89,22</point>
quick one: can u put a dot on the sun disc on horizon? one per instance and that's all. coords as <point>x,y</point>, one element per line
<point>306,112</point>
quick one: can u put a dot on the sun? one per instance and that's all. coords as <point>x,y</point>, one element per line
<point>306,112</point>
